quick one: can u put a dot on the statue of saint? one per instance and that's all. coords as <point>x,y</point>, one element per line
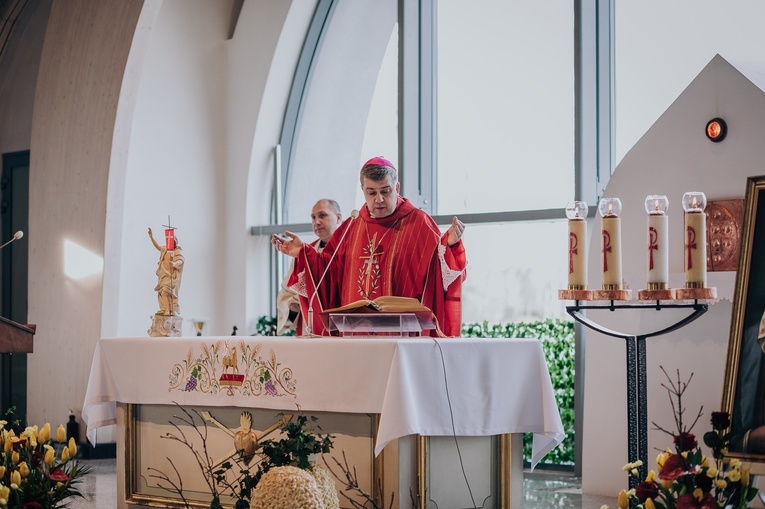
<point>169,272</point>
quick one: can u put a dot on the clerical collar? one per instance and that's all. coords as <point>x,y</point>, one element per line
<point>403,208</point>
<point>322,244</point>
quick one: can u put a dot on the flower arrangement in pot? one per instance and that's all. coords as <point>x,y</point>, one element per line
<point>684,477</point>
<point>35,472</point>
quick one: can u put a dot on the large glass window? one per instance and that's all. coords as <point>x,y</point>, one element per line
<point>505,105</point>
<point>348,106</point>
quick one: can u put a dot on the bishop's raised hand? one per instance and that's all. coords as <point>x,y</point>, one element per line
<point>455,231</point>
<point>290,245</point>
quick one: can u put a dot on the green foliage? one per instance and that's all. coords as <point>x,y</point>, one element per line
<point>301,441</point>
<point>557,338</point>
<point>266,326</point>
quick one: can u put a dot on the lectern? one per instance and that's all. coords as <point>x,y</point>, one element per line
<point>15,337</point>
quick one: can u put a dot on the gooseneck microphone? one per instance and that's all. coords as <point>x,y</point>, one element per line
<point>309,325</point>
<point>16,236</point>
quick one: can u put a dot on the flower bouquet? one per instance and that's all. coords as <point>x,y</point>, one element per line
<point>35,474</point>
<point>686,479</point>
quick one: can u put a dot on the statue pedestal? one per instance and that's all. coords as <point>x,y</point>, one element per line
<point>166,326</point>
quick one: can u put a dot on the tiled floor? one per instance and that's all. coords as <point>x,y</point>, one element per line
<point>543,490</point>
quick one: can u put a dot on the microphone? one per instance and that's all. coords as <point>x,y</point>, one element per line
<point>16,236</point>
<point>309,325</point>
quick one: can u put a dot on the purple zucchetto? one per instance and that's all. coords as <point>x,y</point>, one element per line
<point>379,161</point>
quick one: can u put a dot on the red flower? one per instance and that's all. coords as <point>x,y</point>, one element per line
<point>720,420</point>
<point>33,505</point>
<point>646,489</point>
<point>688,501</point>
<point>58,475</point>
<point>685,442</point>
<point>673,468</point>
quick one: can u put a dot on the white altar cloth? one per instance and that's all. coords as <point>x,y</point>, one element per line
<point>489,386</point>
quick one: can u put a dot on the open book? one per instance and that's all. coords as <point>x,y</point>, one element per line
<point>385,305</point>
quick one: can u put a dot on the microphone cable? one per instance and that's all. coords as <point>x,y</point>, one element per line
<point>454,429</point>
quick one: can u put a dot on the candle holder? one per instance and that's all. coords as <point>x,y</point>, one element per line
<point>576,212</point>
<point>611,248</point>
<point>695,248</point>
<point>656,206</point>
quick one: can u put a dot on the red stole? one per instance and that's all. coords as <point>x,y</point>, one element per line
<point>394,255</point>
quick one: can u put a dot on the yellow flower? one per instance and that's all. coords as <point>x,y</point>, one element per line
<point>648,504</point>
<point>2,471</point>
<point>44,434</point>
<point>50,456</point>
<point>4,494</point>
<point>8,446</point>
<point>623,500</point>
<point>712,472</point>
<point>627,467</point>
<point>721,484</point>
<point>604,506</point>
<point>65,454</point>
<point>634,472</point>
<point>661,458</point>
<point>734,475</point>
<point>23,469</point>
<point>72,447</point>
<point>666,483</point>
<point>704,461</point>
<point>16,478</point>
<point>15,457</point>
<point>698,494</point>
<point>60,433</point>
<point>2,424</point>
<point>651,476</point>
<point>735,463</point>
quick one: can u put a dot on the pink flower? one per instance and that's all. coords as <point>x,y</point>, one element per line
<point>33,505</point>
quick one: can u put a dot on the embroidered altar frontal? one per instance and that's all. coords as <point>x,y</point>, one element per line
<point>496,386</point>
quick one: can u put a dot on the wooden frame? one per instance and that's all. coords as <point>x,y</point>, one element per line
<point>139,493</point>
<point>744,383</point>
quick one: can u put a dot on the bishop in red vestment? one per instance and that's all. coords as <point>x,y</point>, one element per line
<point>392,248</point>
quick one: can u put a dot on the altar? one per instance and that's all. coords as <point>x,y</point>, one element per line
<point>417,394</point>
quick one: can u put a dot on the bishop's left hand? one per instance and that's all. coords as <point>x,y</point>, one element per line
<point>454,233</point>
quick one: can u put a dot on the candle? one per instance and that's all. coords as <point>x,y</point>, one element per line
<point>611,245</point>
<point>658,242</point>
<point>577,245</point>
<point>695,245</point>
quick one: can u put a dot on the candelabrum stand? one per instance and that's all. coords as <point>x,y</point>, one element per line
<point>637,400</point>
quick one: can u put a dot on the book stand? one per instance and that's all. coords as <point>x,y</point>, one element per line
<point>377,324</point>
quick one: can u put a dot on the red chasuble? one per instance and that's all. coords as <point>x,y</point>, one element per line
<point>403,254</point>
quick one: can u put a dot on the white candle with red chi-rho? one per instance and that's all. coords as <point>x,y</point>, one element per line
<point>611,243</point>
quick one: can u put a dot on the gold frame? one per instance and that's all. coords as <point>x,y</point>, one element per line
<point>133,497</point>
<point>743,317</point>
<point>504,472</point>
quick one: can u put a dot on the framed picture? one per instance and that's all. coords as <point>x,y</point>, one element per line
<point>744,389</point>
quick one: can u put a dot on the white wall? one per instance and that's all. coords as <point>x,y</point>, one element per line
<point>176,165</point>
<point>673,157</point>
